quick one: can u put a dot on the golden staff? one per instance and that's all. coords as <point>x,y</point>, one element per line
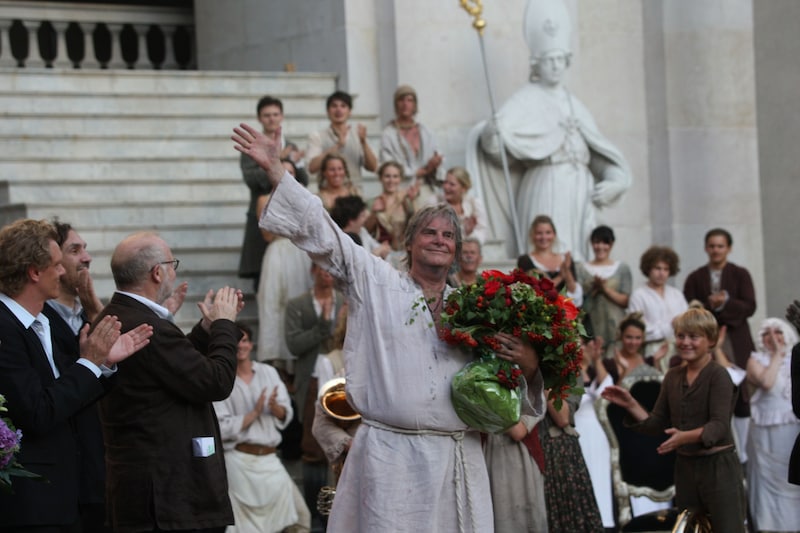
<point>474,8</point>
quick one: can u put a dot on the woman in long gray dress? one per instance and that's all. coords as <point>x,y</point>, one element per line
<point>606,286</point>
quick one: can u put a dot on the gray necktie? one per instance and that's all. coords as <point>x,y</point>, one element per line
<point>44,338</point>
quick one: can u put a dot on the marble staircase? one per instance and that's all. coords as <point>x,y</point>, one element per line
<point>114,151</point>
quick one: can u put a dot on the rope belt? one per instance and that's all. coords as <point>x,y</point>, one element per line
<point>458,437</point>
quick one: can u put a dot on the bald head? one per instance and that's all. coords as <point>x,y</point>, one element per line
<point>134,258</point>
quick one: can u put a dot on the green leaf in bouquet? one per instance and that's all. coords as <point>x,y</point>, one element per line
<point>481,401</point>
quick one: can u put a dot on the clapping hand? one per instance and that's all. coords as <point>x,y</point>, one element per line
<point>226,304</point>
<point>106,346</point>
<point>433,163</point>
<point>175,300</point>
<point>378,205</point>
<point>130,343</point>
<point>598,285</point>
<point>469,224</point>
<point>716,300</point>
<point>273,402</point>
<point>96,346</point>
<point>89,300</point>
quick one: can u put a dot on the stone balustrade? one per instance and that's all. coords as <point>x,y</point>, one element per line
<point>95,36</point>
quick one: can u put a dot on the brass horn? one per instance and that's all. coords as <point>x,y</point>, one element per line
<point>334,401</point>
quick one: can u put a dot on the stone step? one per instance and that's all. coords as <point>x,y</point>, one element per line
<point>295,128</point>
<point>130,215</point>
<point>165,84</point>
<point>33,191</point>
<point>223,258</point>
<point>71,169</point>
<point>116,108</point>
<point>64,174</point>
<point>195,167</point>
<point>113,145</point>
<point>113,152</point>
<point>124,105</point>
<point>105,238</point>
<point>200,282</point>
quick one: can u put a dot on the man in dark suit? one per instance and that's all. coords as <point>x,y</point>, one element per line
<point>164,464</point>
<point>43,386</point>
<point>727,291</point>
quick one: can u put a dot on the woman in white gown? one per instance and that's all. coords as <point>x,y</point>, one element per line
<point>774,502</point>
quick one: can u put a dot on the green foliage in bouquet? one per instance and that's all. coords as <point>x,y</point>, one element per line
<point>482,399</point>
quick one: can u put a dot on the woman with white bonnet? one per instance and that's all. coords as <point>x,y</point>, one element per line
<point>774,503</point>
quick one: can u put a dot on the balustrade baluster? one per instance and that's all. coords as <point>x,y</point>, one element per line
<point>169,47</point>
<point>89,56</point>
<point>74,32</point>
<point>143,59</point>
<point>6,59</point>
<point>62,58</point>
<point>116,60</point>
<point>34,58</point>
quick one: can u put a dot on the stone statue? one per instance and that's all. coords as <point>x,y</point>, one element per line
<point>560,164</point>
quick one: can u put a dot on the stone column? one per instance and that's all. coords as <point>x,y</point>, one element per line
<point>777,47</point>
<point>712,132</point>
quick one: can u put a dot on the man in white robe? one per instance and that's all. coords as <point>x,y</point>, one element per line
<point>414,465</point>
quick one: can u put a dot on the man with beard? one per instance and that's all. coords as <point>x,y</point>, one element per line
<point>76,305</point>
<point>165,469</point>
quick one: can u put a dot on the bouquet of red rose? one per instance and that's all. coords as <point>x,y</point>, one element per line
<point>485,393</point>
